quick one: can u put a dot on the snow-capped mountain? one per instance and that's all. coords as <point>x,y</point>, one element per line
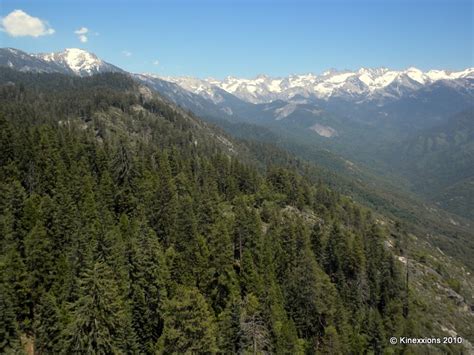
<point>70,61</point>
<point>22,61</point>
<point>197,86</point>
<point>199,104</point>
<point>364,84</point>
<point>79,61</point>
<point>406,98</point>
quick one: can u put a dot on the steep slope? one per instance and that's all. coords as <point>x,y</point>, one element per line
<point>122,211</point>
<point>389,103</point>
<point>79,62</point>
<point>19,60</point>
<point>70,61</point>
<point>358,115</point>
<point>337,133</point>
<point>440,162</point>
<point>184,98</point>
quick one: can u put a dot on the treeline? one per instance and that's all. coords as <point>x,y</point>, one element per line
<point>126,228</point>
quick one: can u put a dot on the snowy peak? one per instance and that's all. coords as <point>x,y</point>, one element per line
<point>79,61</point>
<point>363,84</point>
<point>70,61</point>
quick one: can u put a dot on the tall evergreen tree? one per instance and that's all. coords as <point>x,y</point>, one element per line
<point>48,326</point>
<point>9,333</point>
<point>92,328</point>
<point>189,324</point>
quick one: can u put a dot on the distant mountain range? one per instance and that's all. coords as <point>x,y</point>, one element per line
<point>380,84</point>
<point>333,104</point>
<point>366,115</point>
<point>361,85</point>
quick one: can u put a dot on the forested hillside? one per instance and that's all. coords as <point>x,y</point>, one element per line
<point>129,226</point>
<point>440,162</point>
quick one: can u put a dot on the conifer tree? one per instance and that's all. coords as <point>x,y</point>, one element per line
<point>40,263</point>
<point>48,326</point>
<point>189,325</point>
<point>149,280</point>
<point>330,343</point>
<point>135,232</point>
<point>9,333</point>
<point>312,299</point>
<point>230,335</point>
<point>223,285</point>
<point>92,328</point>
<point>164,203</point>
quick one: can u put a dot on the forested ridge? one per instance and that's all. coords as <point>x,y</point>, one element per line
<point>390,197</point>
<point>129,226</point>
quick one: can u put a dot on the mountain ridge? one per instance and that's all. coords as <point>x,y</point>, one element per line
<point>69,61</point>
<point>79,61</point>
<point>363,82</point>
<point>350,123</point>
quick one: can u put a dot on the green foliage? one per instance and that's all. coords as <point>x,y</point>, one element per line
<point>9,333</point>
<point>100,323</point>
<point>455,284</point>
<point>128,226</point>
<point>439,162</point>
<point>48,326</point>
<point>189,324</point>
<point>255,336</point>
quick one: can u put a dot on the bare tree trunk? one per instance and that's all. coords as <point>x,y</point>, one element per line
<point>240,252</point>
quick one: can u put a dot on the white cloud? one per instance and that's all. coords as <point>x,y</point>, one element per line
<point>156,62</point>
<point>81,34</point>
<point>19,24</point>
<point>81,31</point>
<point>127,53</point>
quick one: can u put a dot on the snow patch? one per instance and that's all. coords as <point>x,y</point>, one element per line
<point>78,60</point>
<point>285,111</point>
<point>324,131</point>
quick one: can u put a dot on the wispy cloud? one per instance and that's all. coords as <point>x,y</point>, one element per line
<point>127,53</point>
<point>19,24</point>
<point>156,62</point>
<point>82,34</point>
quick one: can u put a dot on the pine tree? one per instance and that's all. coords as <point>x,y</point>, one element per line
<point>189,324</point>
<point>247,232</point>
<point>39,250</point>
<point>318,241</point>
<point>48,326</point>
<point>230,336</point>
<point>9,334</point>
<point>148,287</point>
<point>92,328</point>
<point>330,343</point>
<point>223,285</point>
<point>312,299</point>
<point>164,204</point>
<point>375,331</point>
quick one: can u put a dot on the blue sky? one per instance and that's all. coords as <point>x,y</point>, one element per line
<point>245,38</point>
